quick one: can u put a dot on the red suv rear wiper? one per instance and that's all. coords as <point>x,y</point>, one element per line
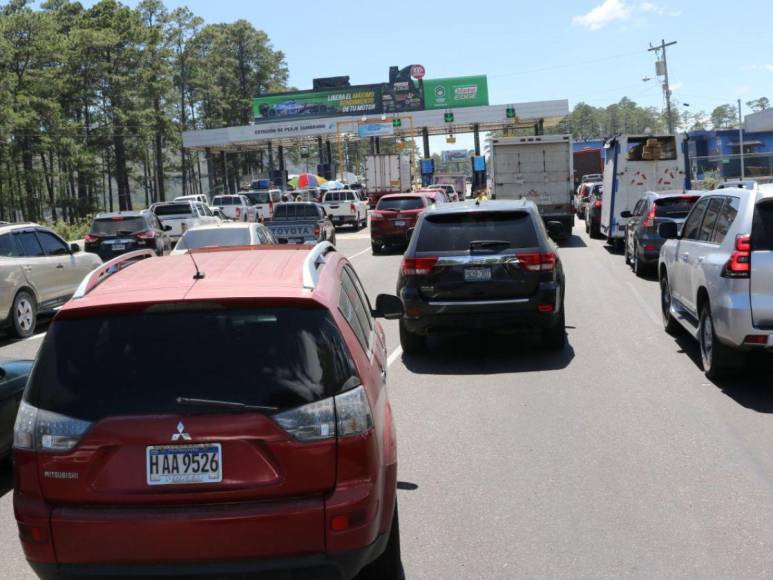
<point>214,404</point>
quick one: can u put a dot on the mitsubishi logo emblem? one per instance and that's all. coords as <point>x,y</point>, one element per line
<point>181,434</point>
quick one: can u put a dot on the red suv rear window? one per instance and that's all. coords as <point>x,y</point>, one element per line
<point>399,204</point>
<point>139,364</point>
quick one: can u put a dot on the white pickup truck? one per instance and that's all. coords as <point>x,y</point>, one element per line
<point>237,208</point>
<point>344,207</point>
<point>183,215</point>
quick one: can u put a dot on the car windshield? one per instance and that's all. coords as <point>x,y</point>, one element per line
<point>214,237</point>
<point>173,209</point>
<point>118,225</point>
<point>453,232</point>
<point>138,364</point>
<point>674,207</point>
<point>399,204</point>
<point>256,197</point>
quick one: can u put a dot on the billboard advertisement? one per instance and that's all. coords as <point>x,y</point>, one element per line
<point>456,92</point>
<point>360,100</point>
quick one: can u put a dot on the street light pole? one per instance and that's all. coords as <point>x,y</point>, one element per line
<point>666,88</point>
<point>740,139</point>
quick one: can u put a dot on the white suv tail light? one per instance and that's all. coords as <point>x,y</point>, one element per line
<point>343,415</point>
<point>41,430</point>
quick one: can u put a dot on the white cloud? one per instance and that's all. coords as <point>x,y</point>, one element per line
<point>652,8</point>
<point>751,67</point>
<point>605,13</point>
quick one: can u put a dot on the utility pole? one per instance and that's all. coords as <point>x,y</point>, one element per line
<point>661,50</point>
<point>740,140</point>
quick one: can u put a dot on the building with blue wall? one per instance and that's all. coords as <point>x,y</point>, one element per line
<point>717,153</point>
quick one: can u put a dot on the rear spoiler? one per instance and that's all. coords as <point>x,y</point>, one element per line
<point>103,272</point>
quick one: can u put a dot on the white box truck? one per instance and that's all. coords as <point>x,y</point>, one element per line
<point>634,165</point>
<point>385,174</point>
<point>539,169</point>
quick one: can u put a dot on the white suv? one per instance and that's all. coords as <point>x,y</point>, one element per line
<point>716,275</point>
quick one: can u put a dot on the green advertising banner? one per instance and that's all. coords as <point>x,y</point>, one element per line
<point>345,101</point>
<point>455,92</point>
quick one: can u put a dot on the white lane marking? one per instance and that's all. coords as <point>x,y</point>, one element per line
<point>394,356</point>
<point>644,304</point>
<point>359,253</point>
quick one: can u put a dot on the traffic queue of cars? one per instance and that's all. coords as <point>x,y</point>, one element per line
<point>712,254</point>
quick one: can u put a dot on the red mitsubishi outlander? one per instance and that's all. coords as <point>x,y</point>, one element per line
<point>223,416</point>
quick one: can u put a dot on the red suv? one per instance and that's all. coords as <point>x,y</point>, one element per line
<point>394,217</point>
<point>223,416</point>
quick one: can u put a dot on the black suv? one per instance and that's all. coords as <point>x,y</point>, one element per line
<point>642,239</point>
<point>481,266</point>
<point>113,234</point>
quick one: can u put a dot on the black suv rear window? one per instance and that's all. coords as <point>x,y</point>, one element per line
<point>455,231</point>
<point>140,363</point>
<point>762,227</point>
<point>674,207</point>
<point>399,204</point>
<point>118,225</point>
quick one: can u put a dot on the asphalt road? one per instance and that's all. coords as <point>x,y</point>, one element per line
<point>615,457</point>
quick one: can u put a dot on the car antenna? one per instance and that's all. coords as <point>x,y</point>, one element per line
<point>199,275</point>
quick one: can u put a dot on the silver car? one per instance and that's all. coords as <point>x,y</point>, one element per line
<point>716,275</point>
<point>39,272</point>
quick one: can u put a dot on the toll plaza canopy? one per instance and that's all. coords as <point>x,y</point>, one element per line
<point>403,124</point>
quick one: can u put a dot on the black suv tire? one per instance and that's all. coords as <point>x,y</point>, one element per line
<point>554,338</point>
<point>411,342</point>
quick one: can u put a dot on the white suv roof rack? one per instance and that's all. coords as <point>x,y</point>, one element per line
<point>740,184</point>
<point>313,261</point>
<point>103,272</point>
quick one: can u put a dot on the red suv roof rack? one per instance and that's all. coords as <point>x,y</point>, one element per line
<point>313,261</point>
<point>99,275</point>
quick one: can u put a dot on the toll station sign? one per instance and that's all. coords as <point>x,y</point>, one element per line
<point>456,92</point>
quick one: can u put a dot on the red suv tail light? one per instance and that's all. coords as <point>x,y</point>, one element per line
<point>597,204</point>
<point>376,216</point>
<point>147,235</point>
<point>739,265</point>
<point>417,266</point>
<point>41,430</point>
<point>340,416</point>
<point>538,262</point>
<point>649,221</point>
<point>88,238</point>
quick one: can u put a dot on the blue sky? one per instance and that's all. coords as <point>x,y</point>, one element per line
<point>585,50</point>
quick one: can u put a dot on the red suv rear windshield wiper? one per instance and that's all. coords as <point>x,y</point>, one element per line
<point>214,404</point>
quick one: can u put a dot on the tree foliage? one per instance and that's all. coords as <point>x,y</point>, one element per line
<point>93,102</point>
